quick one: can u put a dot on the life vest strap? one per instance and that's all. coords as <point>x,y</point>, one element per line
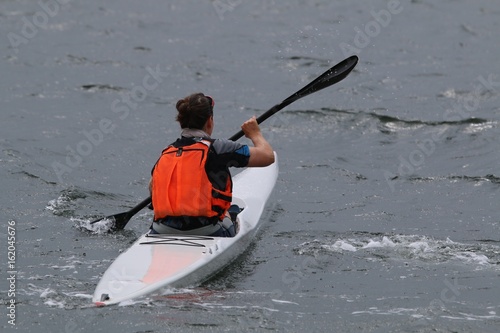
<point>220,195</point>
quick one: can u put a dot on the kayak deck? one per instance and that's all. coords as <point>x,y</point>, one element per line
<point>156,259</point>
<point>186,240</point>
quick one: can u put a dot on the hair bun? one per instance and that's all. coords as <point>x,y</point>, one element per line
<point>193,111</point>
<point>182,105</point>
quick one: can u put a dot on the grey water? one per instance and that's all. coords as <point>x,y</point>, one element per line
<point>385,216</point>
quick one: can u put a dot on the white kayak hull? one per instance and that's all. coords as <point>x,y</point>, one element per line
<point>158,261</point>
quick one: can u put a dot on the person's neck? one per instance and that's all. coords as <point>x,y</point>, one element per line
<point>194,133</point>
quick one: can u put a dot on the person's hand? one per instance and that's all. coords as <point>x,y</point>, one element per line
<point>261,154</point>
<point>251,128</point>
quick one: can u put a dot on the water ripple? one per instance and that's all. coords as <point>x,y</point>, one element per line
<point>408,247</point>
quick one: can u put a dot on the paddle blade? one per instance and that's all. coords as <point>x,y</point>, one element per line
<point>116,222</point>
<point>335,74</point>
<point>119,221</point>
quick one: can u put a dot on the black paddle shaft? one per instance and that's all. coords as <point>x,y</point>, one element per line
<point>335,74</point>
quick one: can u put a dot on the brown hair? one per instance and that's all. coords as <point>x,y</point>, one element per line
<point>194,110</point>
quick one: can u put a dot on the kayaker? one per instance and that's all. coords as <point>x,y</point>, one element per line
<point>191,185</point>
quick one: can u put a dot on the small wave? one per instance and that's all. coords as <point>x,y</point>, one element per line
<point>344,172</point>
<point>467,95</point>
<point>408,122</point>
<point>306,61</point>
<point>64,205</point>
<point>193,296</point>
<point>101,87</point>
<point>27,174</point>
<point>432,311</point>
<point>136,301</point>
<point>385,242</point>
<point>413,247</point>
<point>472,120</point>
<point>475,317</point>
<point>341,245</point>
<point>479,180</point>
<point>53,299</point>
<point>451,93</point>
<point>48,295</point>
<point>54,303</point>
<point>52,296</point>
<point>63,268</point>
<point>81,60</point>
<point>395,311</point>
<point>78,294</point>
<point>280,301</point>
<point>142,48</point>
<point>72,199</point>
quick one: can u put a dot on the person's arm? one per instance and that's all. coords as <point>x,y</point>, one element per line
<point>261,154</point>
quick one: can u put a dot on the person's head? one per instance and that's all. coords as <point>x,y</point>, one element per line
<point>196,111</point>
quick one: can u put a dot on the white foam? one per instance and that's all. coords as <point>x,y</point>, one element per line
<point>46,292</point>
<point>472,257</point>
<point>385,242</point>
<point>54,303</point>
<point>420,246</point>
<point>450,93</point>
<point>100,227</point>
<point>55,204</point>
<point>415,247</point>
<point>63,268</point>
<point>135,301</point>
<point>283,302</point>
<point>472,317</point>
<point>341,245</point>
<point>78,294</point>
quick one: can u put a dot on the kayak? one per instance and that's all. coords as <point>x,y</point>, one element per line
<point>157,261</point>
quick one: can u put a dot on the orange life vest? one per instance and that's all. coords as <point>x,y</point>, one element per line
<point>181,186</point>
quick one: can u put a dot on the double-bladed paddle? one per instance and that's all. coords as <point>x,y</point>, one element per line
<point>335,74</point>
